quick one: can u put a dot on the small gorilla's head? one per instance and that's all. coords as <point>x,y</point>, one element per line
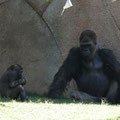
<point>88,44</point>
<point>16,68</point>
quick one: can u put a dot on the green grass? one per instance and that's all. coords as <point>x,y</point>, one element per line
<point>41,108</point>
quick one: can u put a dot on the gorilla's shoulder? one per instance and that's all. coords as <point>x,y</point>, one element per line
<point>107,56</point>
<point>72,62</point>
<point>74,49</point>
<point>74,54</point>
<point>104,52</point>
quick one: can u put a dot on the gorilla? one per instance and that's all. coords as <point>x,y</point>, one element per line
<point>96,72</point>
<point>11,83</point>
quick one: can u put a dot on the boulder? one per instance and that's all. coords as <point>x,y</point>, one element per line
<point>34,34</point>
<point>25,39</point>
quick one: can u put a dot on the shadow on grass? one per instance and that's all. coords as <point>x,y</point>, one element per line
<point>43,99</point>
<point>34,98</point>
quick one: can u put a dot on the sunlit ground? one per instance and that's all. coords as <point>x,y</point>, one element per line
<point>40,108</point>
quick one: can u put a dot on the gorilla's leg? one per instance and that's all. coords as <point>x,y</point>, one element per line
<point>78,95</point>
<point>112,92</point>
<point>18,91</point>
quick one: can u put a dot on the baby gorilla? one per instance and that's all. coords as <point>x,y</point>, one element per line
<point>11,83</point>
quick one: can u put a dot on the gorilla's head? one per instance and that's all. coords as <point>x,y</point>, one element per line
<point>16,68</point>
<point>88,44</point>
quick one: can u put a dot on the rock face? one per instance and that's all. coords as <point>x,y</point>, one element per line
<point>25,39</point>
<point>34,34</point>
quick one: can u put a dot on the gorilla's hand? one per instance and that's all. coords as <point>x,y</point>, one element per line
<point>22,81</point>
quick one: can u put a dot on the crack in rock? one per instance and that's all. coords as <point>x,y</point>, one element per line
<point>34,8</point>
<point>3,1</point>
<point>39,15</point>
<point>45,24</point>
<point>42,8</point>
<point>114,20</point>
<point>112,16</point>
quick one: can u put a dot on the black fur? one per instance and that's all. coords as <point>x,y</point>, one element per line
<point>11,83</point>
<point>75,66</point>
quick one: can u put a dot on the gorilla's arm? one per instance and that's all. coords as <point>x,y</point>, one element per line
<point>13,83</point>
<point>112,69</point>
<point>59,83</point>
<point>64,75</point>
<point>12,79</point>
<point>111,63</point>
<point>22,81</point>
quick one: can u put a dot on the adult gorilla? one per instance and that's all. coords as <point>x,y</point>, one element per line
<point>96,72</point>
<point>11,83</point>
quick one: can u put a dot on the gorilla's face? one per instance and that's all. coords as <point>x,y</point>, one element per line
<point>88,49</point>
<point>88,44</point>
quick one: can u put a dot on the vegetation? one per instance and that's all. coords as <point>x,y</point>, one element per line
<point>41,108</point>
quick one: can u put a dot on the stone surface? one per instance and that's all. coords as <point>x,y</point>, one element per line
<point>34,34</point>
<point>85,14</point>
<point>2,1</point>
<point>26,40</point>
<point>39,5</point>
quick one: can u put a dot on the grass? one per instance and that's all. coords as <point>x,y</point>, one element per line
<point>41,108</point>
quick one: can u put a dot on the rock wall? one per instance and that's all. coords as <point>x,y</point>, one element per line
<point>34,34</point>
